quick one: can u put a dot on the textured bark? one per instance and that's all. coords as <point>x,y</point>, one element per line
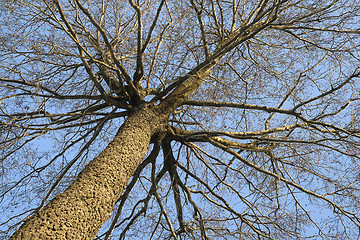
<point>80,211</point>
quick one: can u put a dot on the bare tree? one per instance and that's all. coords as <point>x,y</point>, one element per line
<point>196,119</point>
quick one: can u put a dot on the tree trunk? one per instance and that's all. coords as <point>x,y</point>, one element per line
<point>81,210</point>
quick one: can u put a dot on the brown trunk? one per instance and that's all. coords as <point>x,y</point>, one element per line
<point>80,211</point>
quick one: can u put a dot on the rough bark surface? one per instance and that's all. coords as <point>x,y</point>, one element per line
<point>91,198</point>
<point>80,211</point>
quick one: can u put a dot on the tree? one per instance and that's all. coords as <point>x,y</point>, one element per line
<point>179,119</point>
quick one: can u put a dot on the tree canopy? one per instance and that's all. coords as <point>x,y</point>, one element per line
<point>261,138</point>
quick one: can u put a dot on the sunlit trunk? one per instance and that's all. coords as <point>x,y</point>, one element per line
<point>80,211</point>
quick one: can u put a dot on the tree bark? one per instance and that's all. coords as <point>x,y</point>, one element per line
<point>81,210</point>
